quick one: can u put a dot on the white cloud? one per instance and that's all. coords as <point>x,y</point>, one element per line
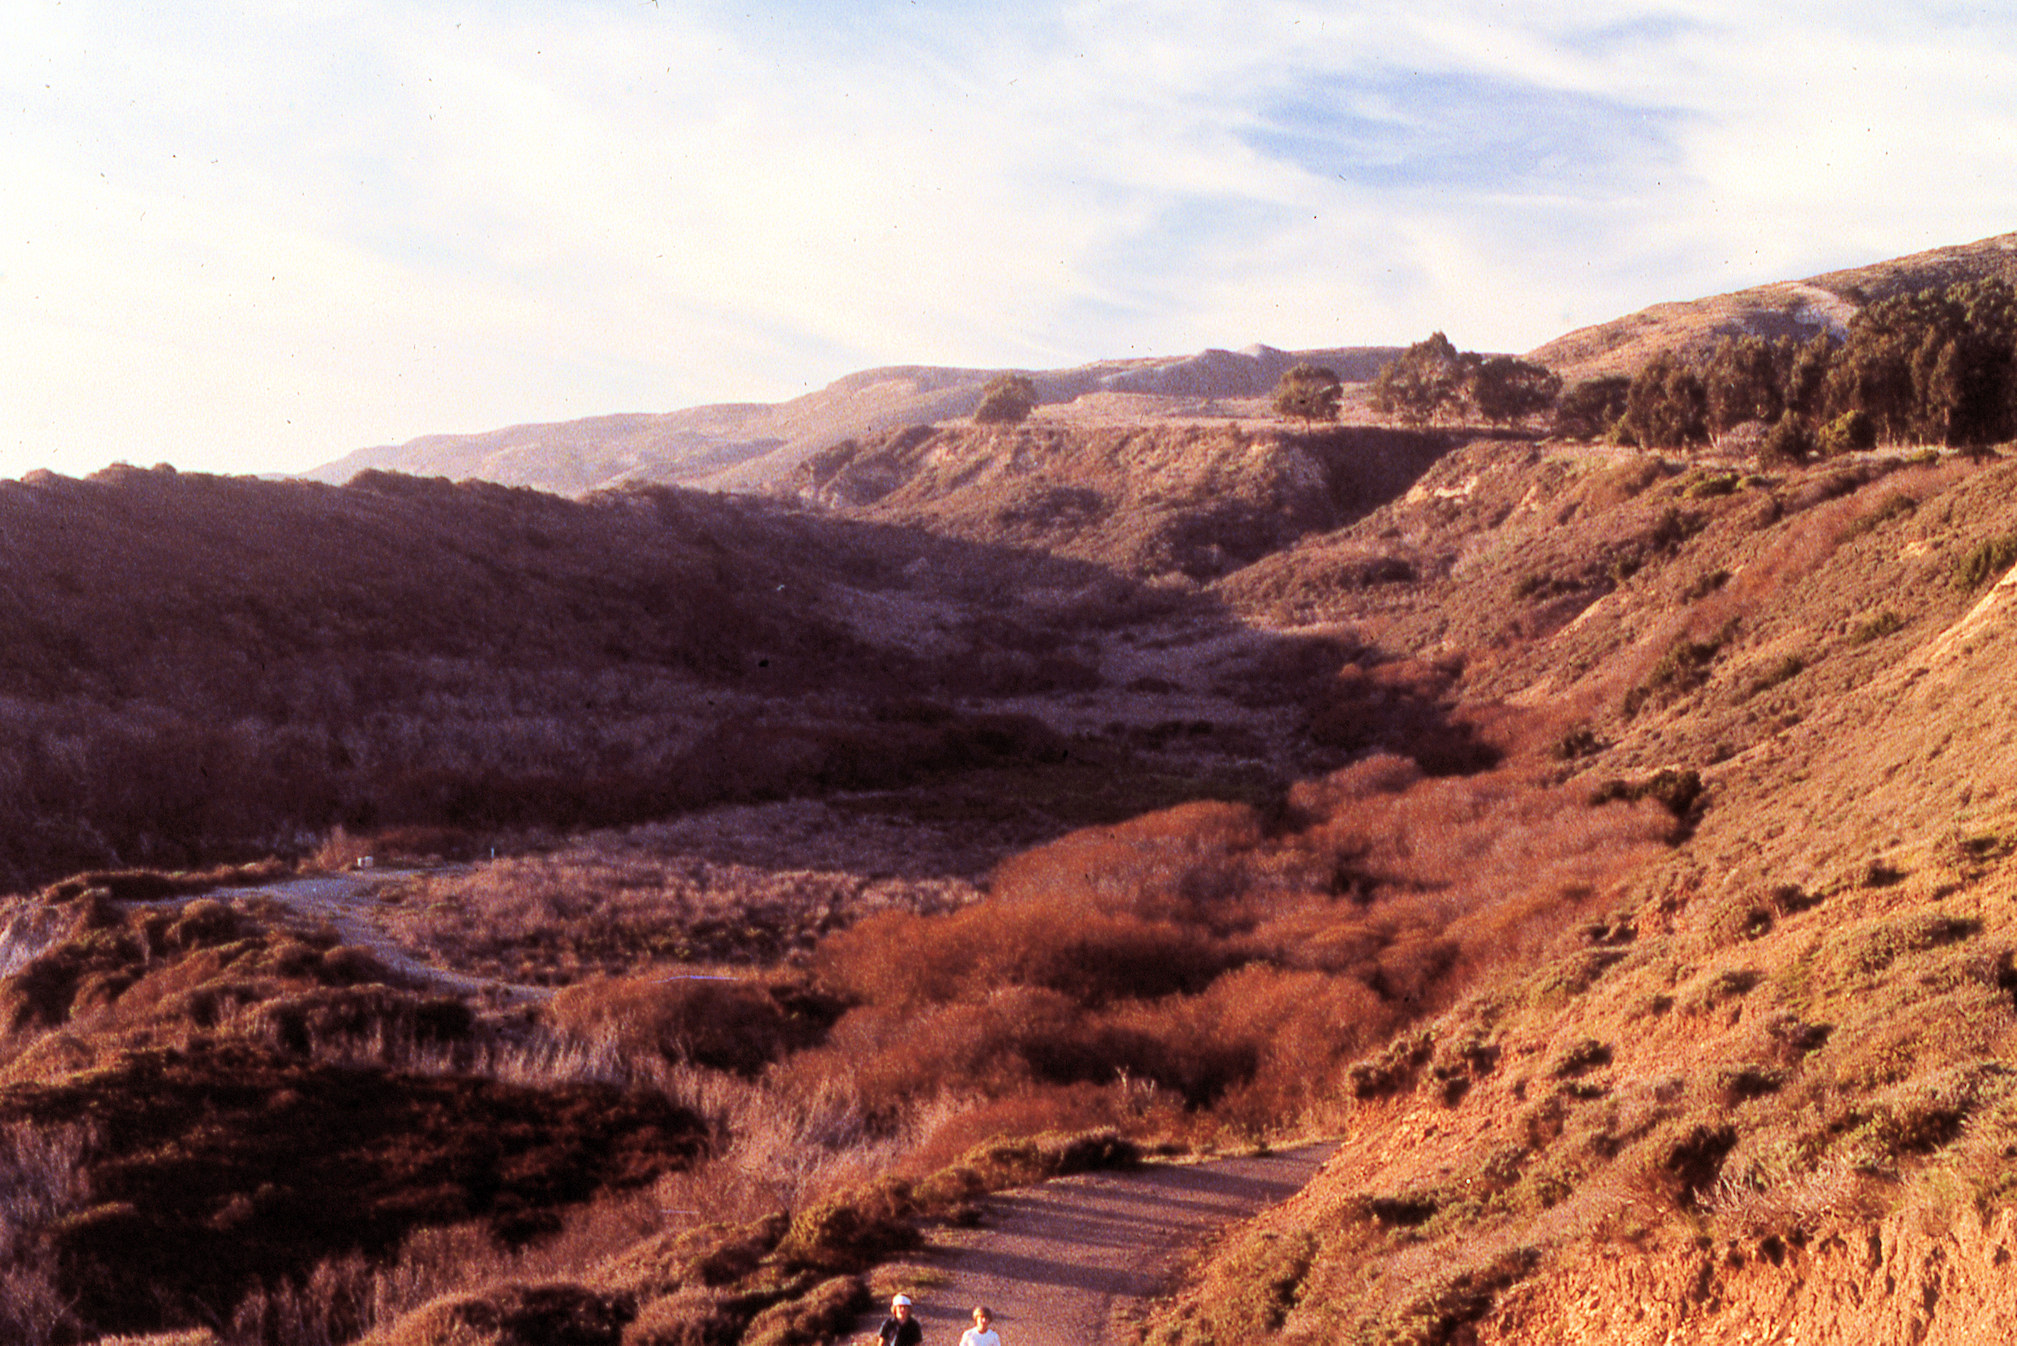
<point>262,242</point>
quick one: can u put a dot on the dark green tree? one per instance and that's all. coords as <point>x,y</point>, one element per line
<point>1787,444</point>
<point>1936,366</point>
<point>1743,383</point>
<point>1666,407</point>
<point>1424,383</point>
<point>1506,389</point>
<point>1851,432</point>
<point>1590,408</point>
<point>1308,392</point>
<point>1804,387</point>
<point>1007,399</point>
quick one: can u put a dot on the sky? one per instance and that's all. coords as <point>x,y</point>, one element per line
<point>252,237</point>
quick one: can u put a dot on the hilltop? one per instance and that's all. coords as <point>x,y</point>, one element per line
<point>1796,309</point>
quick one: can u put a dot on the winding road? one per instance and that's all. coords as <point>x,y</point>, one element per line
<point>1074,1262</point>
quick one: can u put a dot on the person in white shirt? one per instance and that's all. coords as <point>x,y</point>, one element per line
<point>981,1333</point>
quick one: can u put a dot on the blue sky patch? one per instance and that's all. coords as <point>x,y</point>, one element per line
<point>1467,133</point>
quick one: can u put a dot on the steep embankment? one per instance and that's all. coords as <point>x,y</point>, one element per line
<point>1770,1085</point>
<point>1189,501</point>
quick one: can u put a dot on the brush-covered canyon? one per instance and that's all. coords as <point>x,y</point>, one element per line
<point>579,907</point>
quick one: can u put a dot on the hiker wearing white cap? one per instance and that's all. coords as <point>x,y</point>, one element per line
<point>901,1328</point>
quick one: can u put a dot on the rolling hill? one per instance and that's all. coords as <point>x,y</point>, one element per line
<point>744,445</point>
<point>1796,309</point>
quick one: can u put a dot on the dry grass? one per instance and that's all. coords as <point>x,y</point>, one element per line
<point>619,905</point>
<point>42,1183</point>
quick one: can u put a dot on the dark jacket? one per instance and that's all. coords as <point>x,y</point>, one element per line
<point>905,1333</point>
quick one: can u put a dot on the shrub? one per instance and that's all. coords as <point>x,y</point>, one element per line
<point>819,1315</point>
<point>1678,791</point>
<point>1787,444</point>
<point>853,1229</point>
<point>1684,667</point>
<point>1787,668</point>
<point>1712,484</point>
<point>1876,627</point>
<point>1708,582</point>
<point>719,1023</point>
<point>1247,1292</point>
<point>1020,1160</point>
<point>1851,432</point>
<point>1581,741</point>
<point>1985,561</point>
<point>516,1315</point>
<point>690,1317</point>
<point>1006,399</point>
<point>1053,946</point>
<point>1579,1056</point>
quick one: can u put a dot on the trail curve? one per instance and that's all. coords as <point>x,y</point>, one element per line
<point>1075,1261</point>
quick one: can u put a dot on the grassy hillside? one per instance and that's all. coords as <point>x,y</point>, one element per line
<point>199,669</point>
<point>1768,1065</point>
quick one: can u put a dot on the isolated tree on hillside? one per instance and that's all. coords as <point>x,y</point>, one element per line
<point>1007,399</point>
<point>1506,389</point>
<point>1309,392</point>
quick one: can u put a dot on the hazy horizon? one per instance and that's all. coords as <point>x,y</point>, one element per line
<point>263,243</point>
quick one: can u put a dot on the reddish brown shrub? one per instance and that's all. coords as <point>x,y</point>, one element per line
<point>1033,1111</point>
<point>691,1317</point>
<point>902,959</point>
<point>721,1023</point>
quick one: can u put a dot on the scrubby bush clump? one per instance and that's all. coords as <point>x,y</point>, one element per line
<point>1007,399</point>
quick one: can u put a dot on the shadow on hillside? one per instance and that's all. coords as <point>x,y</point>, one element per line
<point>1368,466</point>
<point>201,669</point>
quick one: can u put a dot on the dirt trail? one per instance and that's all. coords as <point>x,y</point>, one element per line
<point>344,902</point>
<point>1073,1262</point>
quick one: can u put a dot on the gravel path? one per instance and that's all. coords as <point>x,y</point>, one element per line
<point>1074,1262</point>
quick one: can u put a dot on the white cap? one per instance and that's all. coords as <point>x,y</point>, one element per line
<point>900,1299</point>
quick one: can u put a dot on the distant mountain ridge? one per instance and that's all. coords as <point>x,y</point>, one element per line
<point>753,445</point>
<point>740,445</point>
